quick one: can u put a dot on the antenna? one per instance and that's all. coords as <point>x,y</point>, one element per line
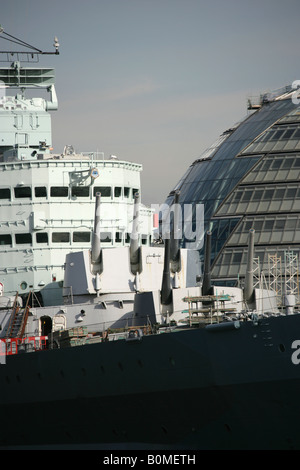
<point>31,53</point>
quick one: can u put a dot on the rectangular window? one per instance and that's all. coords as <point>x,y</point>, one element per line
<point>4,193</point>
<point>118,191</point>
<point>126,192</point>
<point>81,237</point>
<point>276,134</point>
<point>105,237</point>
<point>288,134</point>
<point>105,191</point>
<point>269,225</point>
<point>60,237</point>
<point>279,224</point>
<point>42,237</point>
<point>80,191</point>
<point>59,191</point>
<point>291,193</point>
<point>5,239</point>
<point>22,191</point>
<point>257,195</point>
<point>297,134</point>
<point>118,237</point>
<point>279,194</point>
<point>268,194</point>
<point>40,191</point>
<point>23,238</point>
<point>247,195</point>
<point>276,164</point>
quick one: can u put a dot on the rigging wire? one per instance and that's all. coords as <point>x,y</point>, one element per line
<point>18,41</point>
<point>32,49</point>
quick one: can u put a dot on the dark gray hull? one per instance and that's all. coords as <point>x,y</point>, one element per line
<point>234,388</point>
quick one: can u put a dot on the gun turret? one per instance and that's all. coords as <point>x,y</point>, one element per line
<point>96,252</point>
<point>134,240</point>
<point>166,289</point>
<point>206,286</point>
<point>175,241</point>
<point>248,290</point>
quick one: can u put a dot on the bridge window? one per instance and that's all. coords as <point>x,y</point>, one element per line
<point>42,237</point>
<point>59,191</point>
<point>105,237</point>
<point>104,190</point>
<point>23,238</point>
<point>40,191</point>
<point>5,239</point>
<point>4,193</point>
<point>22,191</point>
<point>118,191</point>
<point>80,191</point>
<point>81,237</point>
<point>60,237</point>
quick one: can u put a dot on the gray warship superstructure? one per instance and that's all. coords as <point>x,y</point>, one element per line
<point>100,285</point>
<point>225,377</point>
<point>47,198</point>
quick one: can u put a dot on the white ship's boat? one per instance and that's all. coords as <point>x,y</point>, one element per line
<point>47,199</point>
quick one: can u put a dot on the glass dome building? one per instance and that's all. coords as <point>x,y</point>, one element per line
<point>250,178</point>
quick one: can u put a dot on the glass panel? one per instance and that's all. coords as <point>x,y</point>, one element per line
<point>81,237</point>
<point>40,191</point>
<point>42,237</point>
<point>4,193</point>
<point>5,239</point>
<point>22,191</point>
<point>23,238</point>
<point>59,191</point>
<point>80,191</point>
<point>105,191</point>
<point>60,237</point>
<point>118,237</point>
<point>118,191</point>
<point>105,237</point>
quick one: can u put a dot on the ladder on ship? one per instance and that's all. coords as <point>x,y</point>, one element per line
<point>18,319</point>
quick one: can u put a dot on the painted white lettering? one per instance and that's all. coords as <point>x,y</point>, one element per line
<point>296,354</point>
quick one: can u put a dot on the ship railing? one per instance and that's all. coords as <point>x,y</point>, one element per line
<point>126,329</point>
<point>12,346</point>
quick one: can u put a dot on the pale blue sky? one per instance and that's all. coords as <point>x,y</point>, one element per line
<point>157,81</point>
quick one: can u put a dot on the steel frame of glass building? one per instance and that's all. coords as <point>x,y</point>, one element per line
<point>251,179</point>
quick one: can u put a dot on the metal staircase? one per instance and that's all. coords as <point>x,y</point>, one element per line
<point>18,319</point>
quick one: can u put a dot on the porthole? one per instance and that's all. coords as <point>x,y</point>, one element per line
<point>281,347</point>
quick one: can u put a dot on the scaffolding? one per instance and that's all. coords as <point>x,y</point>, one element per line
<point>284,277</point>
<point>275,276</point>
<point>291,273</point>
